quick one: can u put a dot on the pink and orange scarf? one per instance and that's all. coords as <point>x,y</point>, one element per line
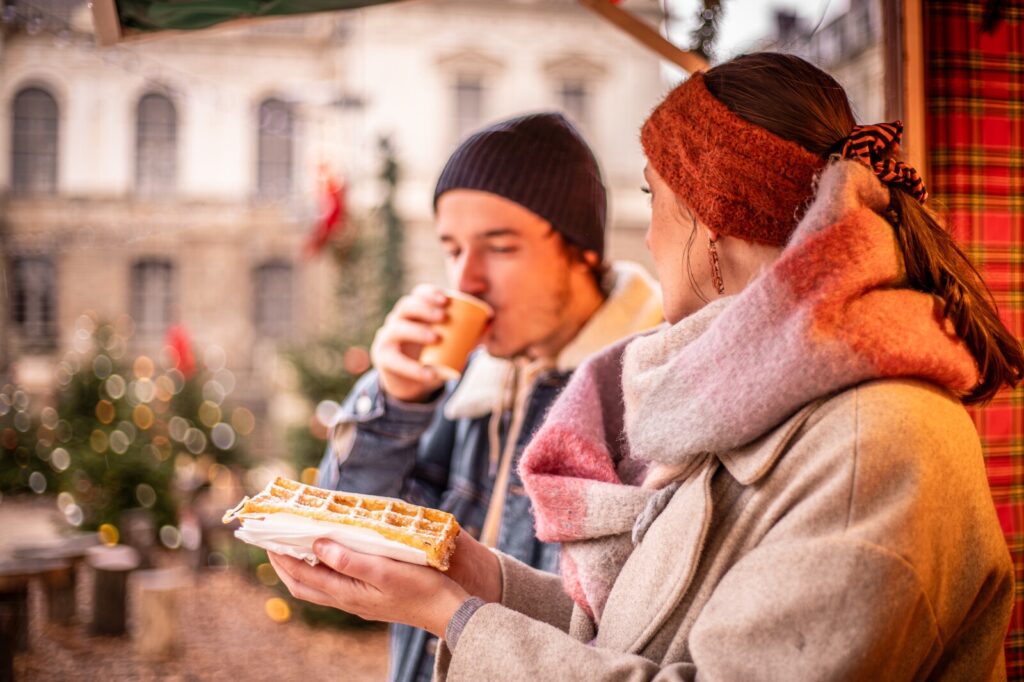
<point>832,312</point>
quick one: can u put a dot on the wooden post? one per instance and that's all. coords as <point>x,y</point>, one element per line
<point>111,566</point>
<point>646,35</point>
<point>903,33</point>
<point>60,594</point>
<point>13,616</point>
<point>8,633</point>
<point>158,634</point>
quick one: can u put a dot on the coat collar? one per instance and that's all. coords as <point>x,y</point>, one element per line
<point>750,462</point>
<point>633,305</point>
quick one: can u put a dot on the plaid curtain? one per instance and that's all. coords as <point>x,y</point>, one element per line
<point>974,80</point>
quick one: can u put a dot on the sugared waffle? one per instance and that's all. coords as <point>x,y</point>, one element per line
<point>429,530</point>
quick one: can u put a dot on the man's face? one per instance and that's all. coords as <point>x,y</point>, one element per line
<point>510,257</point>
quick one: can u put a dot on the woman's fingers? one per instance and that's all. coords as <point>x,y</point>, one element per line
<point>298,589</point>
<point>355,565</point>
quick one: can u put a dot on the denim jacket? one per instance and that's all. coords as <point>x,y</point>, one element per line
<point>439,453</point>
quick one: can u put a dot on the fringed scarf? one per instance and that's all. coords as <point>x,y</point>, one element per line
<point>642,418</point>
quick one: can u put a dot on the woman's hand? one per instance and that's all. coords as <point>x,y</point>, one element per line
<point>373,587</point>
<point>476,568</point>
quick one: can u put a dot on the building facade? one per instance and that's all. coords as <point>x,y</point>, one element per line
<point>173,180</point>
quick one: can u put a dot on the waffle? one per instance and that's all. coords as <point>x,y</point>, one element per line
<point>428,530</point>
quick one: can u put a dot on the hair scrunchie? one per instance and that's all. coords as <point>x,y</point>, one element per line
<point>874,146</point>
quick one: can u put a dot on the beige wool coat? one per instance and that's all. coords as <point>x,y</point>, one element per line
<point>805,555</point>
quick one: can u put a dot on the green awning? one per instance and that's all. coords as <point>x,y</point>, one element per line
<point>119,19</point>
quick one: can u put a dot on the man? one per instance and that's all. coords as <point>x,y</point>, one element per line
<point>520,212</point>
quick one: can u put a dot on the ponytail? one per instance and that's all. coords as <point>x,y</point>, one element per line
<point>935,264</point>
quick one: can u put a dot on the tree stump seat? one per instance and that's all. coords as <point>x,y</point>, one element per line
<point>158,634</point>
<point>60,585</point>
<point>111,567</point>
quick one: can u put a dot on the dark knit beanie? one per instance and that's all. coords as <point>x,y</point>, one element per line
<point>540,162</point>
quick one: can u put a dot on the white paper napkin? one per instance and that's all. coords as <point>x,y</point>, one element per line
<point>294,535</point>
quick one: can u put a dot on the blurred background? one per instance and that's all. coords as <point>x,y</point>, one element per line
<point>199,234</point>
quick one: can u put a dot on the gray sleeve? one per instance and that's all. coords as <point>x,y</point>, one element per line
<point>459,620</point>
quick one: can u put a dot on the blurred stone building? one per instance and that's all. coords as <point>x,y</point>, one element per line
<point>848,46</point>
<point>174,179</point>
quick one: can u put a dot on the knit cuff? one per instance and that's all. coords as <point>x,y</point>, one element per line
<point>460,619</point>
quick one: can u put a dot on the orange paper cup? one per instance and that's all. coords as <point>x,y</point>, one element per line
<point>460,333</point>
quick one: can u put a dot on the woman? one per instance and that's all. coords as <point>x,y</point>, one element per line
<point>782,484</point>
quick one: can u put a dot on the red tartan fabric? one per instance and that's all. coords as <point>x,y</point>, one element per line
<point>975,108</point>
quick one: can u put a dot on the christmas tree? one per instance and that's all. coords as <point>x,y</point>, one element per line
<point>121,431</point>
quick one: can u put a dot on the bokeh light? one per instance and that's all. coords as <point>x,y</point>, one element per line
<point>142,416</point>
<point>105,411</point>
<point>177,379</point>
<point>115,386</point>
<point>109,534</point>
<point>278,610</point>
<point>214,392</point>
<point>98,441</point>
<point>243,421</point>
<point>177,427</point>
<point>64,431</point>
<point>170,537</point>
<point>63,375</point>
<point>163,448</point>
<point>145,494</point>
<point>37,482</point>
<point>209,413</point>
<point>129,430</point>
<point>144,390</point>
<point>143,367</point>
<point>63,500</point>
<point>48,417</point>
<point>22,421</point>
<point>60,460</point>
<point>195,441</point>
<point>85,323</point>
<point>73,513</point>
<point>225,378</point>
<point>102,366</point>
<point>223,436</point>
<point>326,412</point>
<point>119,442</point>
<point>164,388</point>
<point>266,574</point>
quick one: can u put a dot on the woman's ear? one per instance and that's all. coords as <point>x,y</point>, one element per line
<point>712,234</point>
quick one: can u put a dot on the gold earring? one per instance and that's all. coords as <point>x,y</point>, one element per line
<point>716,268</point>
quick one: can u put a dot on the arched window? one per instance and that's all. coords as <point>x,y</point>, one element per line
<point>156,152</point>
<point>272,298</point>
<point>34,137</point>
<point>275,149</point>
<point>152,296</point>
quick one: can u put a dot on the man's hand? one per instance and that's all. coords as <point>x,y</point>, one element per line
<point>398,343</point>
<point>373,587</point>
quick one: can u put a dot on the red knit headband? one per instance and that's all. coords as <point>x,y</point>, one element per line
<point>738,178</point>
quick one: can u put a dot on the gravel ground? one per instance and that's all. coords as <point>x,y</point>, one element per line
<point>225,634</point>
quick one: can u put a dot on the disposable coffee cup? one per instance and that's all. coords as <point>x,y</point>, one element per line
<point>460,333</point>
